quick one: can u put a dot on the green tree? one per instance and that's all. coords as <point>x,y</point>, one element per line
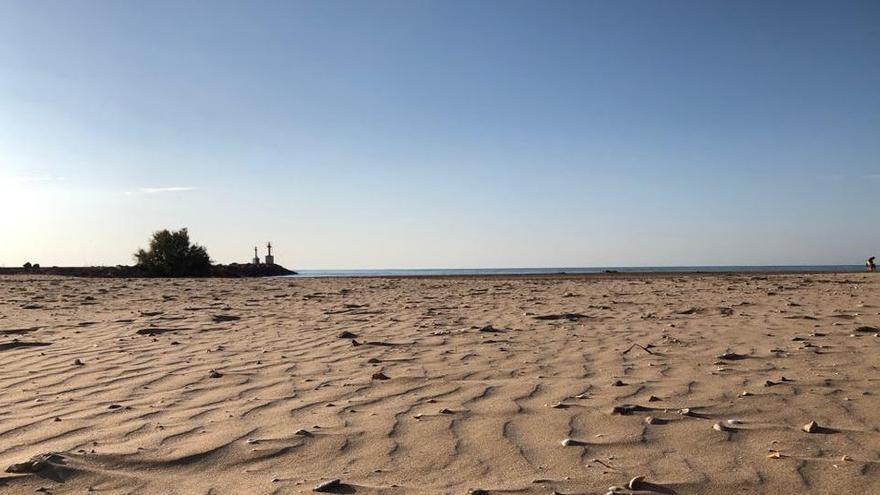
<point>172,255</point>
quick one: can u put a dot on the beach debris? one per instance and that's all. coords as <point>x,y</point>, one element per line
<point>570,442</point>
<point>347,335</point>
<point>812,427</point>
<point>446,411</point>
<point>562,316</point>
<point>490,329</point>
<point>327,485</point>
<point>686,411</point>
<point>617,383</point>
<point>651,420</point>
<point>152,331</point>
<point>380,376</point>
<point>721,427</point>
<point>78,362</point>
<point>731,356</point>
<point>303,433</point>
<point>637,483</point>
<point>627,409</point>
<point>775,454</point>
<point>646,349</point>
<point>36,463</point>
<point>653,398</point>
<point>478,491</point>
<point>214,374</point>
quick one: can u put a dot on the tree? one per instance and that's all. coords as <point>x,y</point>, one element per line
<point>26,265</point>
<point>172,255</point>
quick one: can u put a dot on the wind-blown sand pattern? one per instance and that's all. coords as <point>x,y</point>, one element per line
<point>570,385</point>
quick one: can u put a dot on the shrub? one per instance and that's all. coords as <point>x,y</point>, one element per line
<point>172,255</point>
<point>26,265</point>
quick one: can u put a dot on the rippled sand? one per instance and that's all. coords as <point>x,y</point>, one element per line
<point>447,385</point>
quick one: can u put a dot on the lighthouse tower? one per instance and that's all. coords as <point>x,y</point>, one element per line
<point>270,260</point>
<point>256,260</point>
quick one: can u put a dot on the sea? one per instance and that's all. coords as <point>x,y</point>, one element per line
<point>427,272</point>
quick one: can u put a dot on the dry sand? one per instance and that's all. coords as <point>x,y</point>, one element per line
<point>246,386</point>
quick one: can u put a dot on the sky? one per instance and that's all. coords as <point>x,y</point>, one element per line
<point>447,134</point>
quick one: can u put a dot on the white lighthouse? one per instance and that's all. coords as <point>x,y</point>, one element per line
<point>256,260</point>
<point>270,260</point>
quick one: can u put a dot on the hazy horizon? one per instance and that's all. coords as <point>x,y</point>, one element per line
<point>381,135</point>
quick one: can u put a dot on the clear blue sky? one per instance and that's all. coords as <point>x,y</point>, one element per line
<point>442,134</point>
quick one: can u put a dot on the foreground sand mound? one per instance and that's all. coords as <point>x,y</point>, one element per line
<point>697,384</point>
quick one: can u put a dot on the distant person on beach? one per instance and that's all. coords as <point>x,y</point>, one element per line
<point>870,264</point>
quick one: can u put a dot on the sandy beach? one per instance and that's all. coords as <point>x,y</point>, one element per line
<point>700,384</point>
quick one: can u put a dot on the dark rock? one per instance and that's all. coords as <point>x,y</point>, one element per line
<point>327,485</point>
<point>489,329</point>
<point>627,409</point>
<point>5,346</point>
<point>152,331</point>
<point>36,463</point>
<point>562,316</point>
<point>222,318</point>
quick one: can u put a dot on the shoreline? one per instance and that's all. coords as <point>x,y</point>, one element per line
<point>574,276</point>
<point>248,271</point>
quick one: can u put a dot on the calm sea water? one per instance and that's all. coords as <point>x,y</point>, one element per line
<point>544,271</point>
